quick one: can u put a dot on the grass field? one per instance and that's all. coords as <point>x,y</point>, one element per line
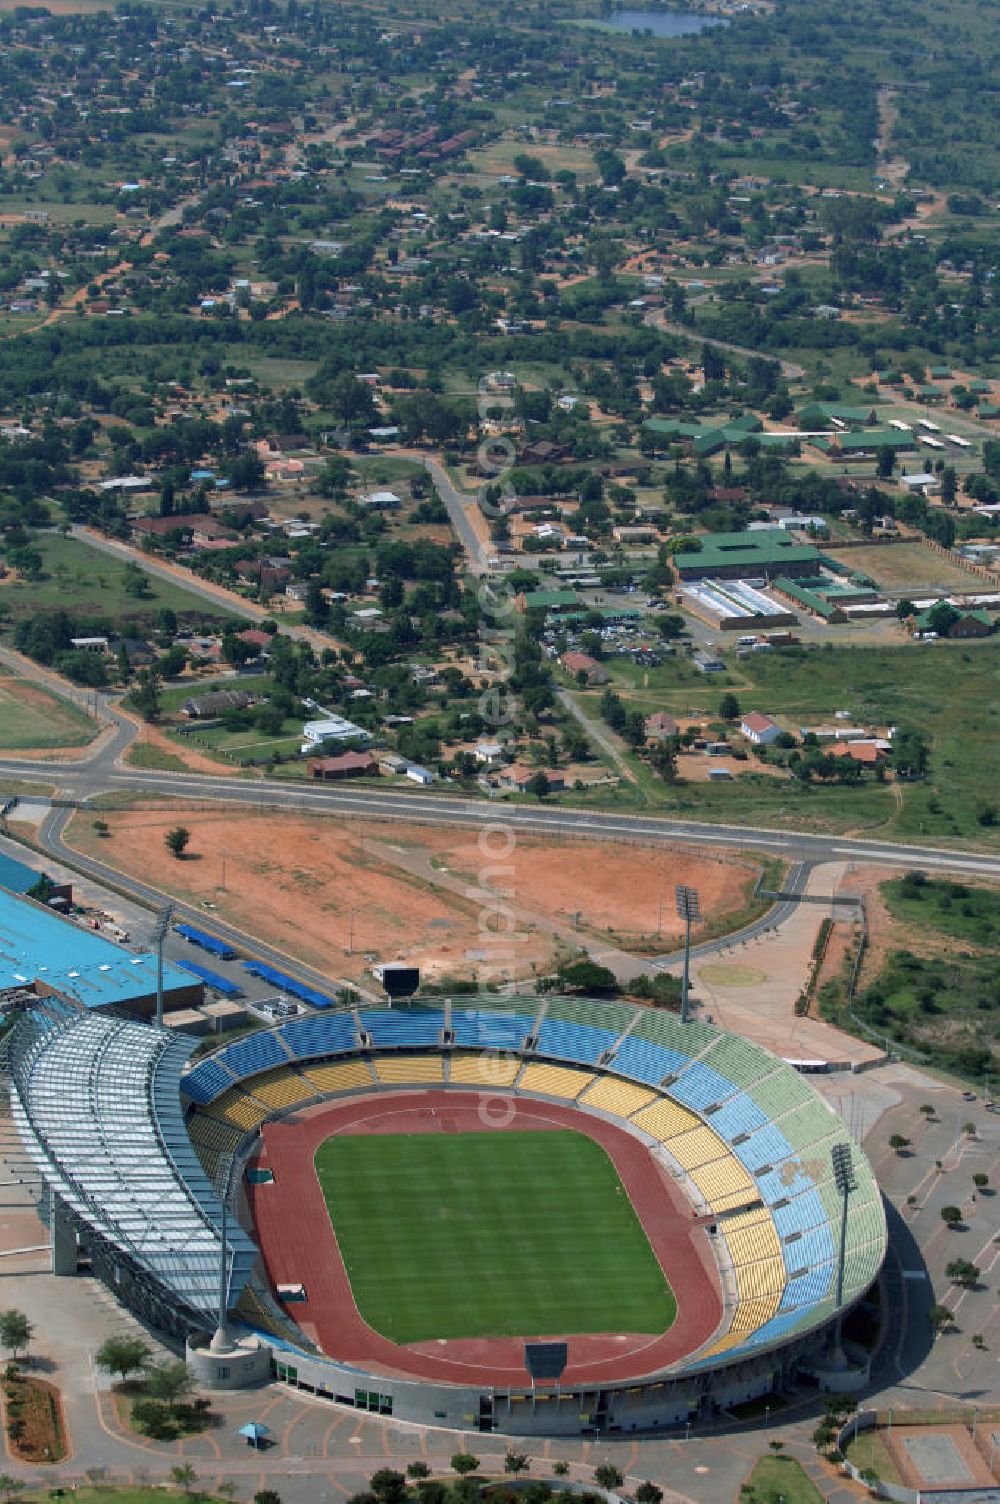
<point>490,1235</point>
<point>31,717</point>
<point>783,1478</point>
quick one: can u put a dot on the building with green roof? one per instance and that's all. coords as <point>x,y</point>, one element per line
<point>763,553</point>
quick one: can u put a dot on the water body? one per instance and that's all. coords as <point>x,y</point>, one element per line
<point>662,23</point>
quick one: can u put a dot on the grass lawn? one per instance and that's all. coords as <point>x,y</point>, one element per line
<point>782,1478</point>
<point>971,914</point>
<point>32,717</point>
<point>490,1235</point>
<point>91,583</point>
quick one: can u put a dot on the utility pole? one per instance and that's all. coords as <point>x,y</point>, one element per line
<point>688,909</point>
<point>159,935</point>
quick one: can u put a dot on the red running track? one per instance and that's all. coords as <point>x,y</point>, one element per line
<point>299,1245</point>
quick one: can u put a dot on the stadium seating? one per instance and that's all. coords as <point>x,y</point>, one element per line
<point>806,1125</point>
<point>406,1027</point>
<point>688,1040</point>
<point>256,1053</point>
<point>742,1063</point>
<point>699,1087</point>
<point>664,1119</point>
<point>405,1070</point>
<point>801,1213</point>
<point>697,1147</point>
<point>724,1184</point>
<point>739,1115</point>
<point>620,1098</point>
<point>486,1069</point>
<point>319,1034</point>
<point>283,1088</point>
<point>234,1106</point>
<point>554,1080</point>
<point>567,1041</point>
<point>478,1028</point>
<point>645,1061</point>
<point>765,1146</point>
<point>344,1075</point>
<point>779,1092</point>
<point>207,1081</point>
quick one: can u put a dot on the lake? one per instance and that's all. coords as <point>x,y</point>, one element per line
<point>662,23</point>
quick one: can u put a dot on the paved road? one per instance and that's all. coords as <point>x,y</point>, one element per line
<point>658,320</point>
<point>83,781</point>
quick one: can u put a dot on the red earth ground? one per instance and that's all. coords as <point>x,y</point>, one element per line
<point>299,1245</point>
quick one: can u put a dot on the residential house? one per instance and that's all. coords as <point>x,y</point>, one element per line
<point>217,702</point>
<point>345,765</point>
<point>759,729</point>
<point>660,726</point>
<point>582,663</point>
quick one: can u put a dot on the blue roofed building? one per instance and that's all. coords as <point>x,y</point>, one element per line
<point>40,949</point>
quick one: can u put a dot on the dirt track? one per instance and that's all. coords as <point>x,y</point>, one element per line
<point>299,1245</point>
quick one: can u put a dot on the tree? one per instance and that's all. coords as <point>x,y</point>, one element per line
<point>538,784</point>
<point>516,1463</point>
<point>648,1493</point>
<point>885,461</point>
<point>949,485</point>
<point>170,1382</point>
<point>145,695</point>
<point>951,1216</point>
<point>928,1109</point>
<point>585,975</point>
<point>184,1475</point>
<point>417,1470</point>
<point>910,753</point>
<point>16,1331</point>
<point>9,1486</point>
<point>388,1486</point>
<point>777,1447</point>
<point>942,618</point>
<point>940,1317</point>
<point>177,840</point>
<point>980,1180</point>
<point>266,1496</point>
<point>123,1356</point>
<point>463,1463</point>
<point>963,1273</point>
<point>608,1476</point>
<point>729,708</point>
<point>899,1143</point>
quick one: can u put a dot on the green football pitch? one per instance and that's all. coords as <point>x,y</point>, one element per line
<point>490,1235</point>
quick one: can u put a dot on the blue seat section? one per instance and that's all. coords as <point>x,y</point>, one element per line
<point>808,1288</point>
<point>404,1026</point>
<point>573,1041</point>
<point>213,978</point>
<point>308,1038</point>
<point>813,1248</point>
<point>700,1086</point>
<point>206,1082</point>
<point>801,1213</point>
<point>776,1185</point>
<point>778,1326</point>
<point>642,1060</point>
<point>258,1052</point>
<point>740,1115</point>
<point>483,1029</point>
<point>765,1147</point>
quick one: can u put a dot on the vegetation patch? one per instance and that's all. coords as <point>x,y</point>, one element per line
<point>33,1417</point>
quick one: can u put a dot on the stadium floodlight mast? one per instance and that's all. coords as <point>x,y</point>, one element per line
<point>845,1181</point>
<point>221,1340</point>
<point>688,909</point>
<point>159,935</point>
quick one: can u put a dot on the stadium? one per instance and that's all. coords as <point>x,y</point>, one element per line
<point>522,1214</point>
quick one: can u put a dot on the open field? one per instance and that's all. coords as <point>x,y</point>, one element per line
<point>332,890</point>
<point>33,719</point>
<point>507,1234</point>
<point>93,584</point>
<point>784,1478</point>
<point>909,567</point>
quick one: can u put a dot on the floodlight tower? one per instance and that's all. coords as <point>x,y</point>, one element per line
<point>159,935</point>
<point>221,1340</point>
<point>688,909</point>
<point>844,1179</point>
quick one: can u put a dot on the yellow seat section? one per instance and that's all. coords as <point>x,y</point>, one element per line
<point>751,1315</point>
<point>555,1080</point>
<point>749,1244</point>
<point>282,1088</point>
<point>698,1147</point>
<point>724,1181</point>
<point>399,1070</point>
<point>664,1119</point>
<point>234,1106</point>
<point>619,1097</point>
<point>487,1069</point>
<point>342,1076</point>
<point>722,1345</point>
<point>757,1281</point>
<point>213,1134</point>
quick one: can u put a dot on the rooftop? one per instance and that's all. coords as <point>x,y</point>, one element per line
<point>38,945</point>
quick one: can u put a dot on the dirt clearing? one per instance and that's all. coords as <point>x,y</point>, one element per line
<point>332,891</point>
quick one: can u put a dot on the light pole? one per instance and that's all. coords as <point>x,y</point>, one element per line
<point>159,934</point>
<point>688,909</point>
<point>843,1176</point>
